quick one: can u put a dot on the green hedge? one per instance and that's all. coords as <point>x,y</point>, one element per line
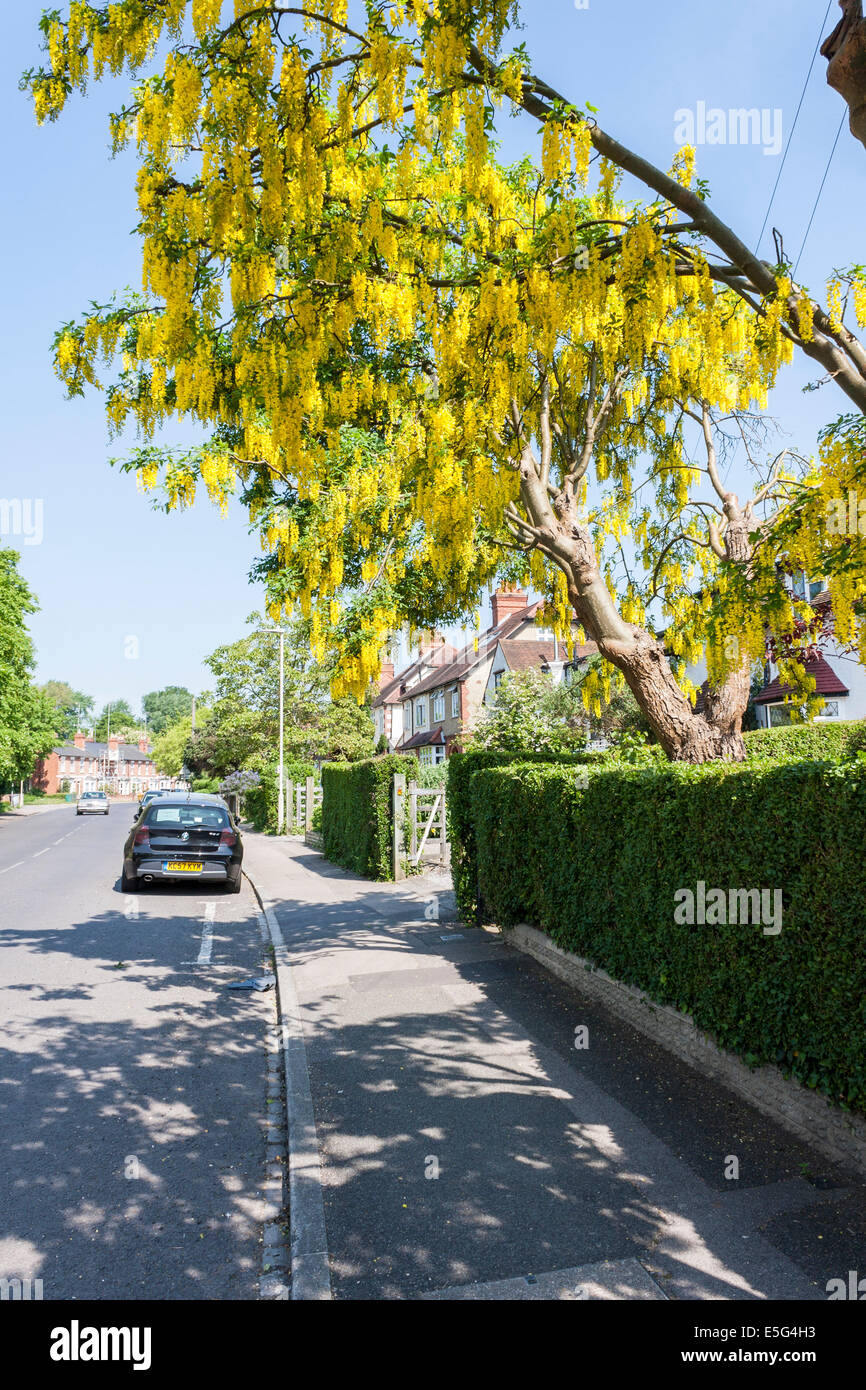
<point>836,742</point>
<point>597,869</point>
<point>357,814</point>
<point>262,803</point>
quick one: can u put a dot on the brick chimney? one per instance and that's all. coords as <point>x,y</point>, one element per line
<point>79,740</point>
<point>142,743</point>
<point>113,743</point>
<point>387,673</point>
<point>505,603</point>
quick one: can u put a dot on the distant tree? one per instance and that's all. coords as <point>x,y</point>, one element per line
<point>72,706</point>
<point>28,727</point>
<point>170,749</point>
<point>165,707</point>
<point>344,732</point>
<point>120,717</point>
<point>242,730</point>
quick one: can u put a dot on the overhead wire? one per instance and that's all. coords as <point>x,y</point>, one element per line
<point>793,127</point>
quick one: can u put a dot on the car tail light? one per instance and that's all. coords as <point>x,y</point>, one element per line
<point>142,837</point>
<point>228,837</point>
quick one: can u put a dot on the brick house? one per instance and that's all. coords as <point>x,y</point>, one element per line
<point>125,769</point>
<point>387,706</point>
<point>439,708</point>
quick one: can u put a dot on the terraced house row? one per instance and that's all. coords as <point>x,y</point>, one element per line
<point>430,706</point>
<point>86,765</point>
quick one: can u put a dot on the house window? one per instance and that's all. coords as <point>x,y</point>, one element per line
<point>425,756</point>
<point>420,714</point>
<point>779,714</point>
<point>806,588</point>
<point>830,710</point>
<point>455,703</point>
<point>497,679</point>
<point>439,753</point>
<point>439,705</point>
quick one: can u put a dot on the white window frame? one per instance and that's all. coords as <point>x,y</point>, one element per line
<point>421,714</point>
<point>439,705</point>
<point>425,755</point>
<point>831,709</point>
<point>455,702</point>
<point>438,753</point>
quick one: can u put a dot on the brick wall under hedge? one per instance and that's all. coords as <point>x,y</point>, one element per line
<point>597,867</point>
<point>357,814</point>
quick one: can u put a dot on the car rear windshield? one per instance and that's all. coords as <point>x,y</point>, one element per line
<point>98,796</point>
<point>211,817</point>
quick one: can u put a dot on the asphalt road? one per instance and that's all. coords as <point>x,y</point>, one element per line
<point>132,1082</point>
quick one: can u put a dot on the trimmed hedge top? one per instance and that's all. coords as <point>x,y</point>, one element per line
<point>836,742</point>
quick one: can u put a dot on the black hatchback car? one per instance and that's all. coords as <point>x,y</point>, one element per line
<point>183,836</point>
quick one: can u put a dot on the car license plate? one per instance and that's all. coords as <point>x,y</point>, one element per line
<point>184,866</point>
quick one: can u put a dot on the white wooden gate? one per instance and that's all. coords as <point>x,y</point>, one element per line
<point>302,798</point>
<point>427,826</point>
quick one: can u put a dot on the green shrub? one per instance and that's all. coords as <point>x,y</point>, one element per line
<point>205,784</point>
<point>261,805</point>
<point>836,742</point>
<point>432,775</point>
<point>357,816</point>
<point>597,865</point>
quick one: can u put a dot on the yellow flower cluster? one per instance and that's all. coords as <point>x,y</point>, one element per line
<point>298,282</point>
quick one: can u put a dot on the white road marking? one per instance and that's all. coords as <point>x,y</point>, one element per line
<point>41,851</point>
<point>207,934</point>
<point>12,866</point>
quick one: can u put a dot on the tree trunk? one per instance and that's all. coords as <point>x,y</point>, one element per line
<point>845,51</point>
<point>684,735</point>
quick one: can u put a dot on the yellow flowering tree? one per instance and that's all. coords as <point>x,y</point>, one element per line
<point>424,371</point>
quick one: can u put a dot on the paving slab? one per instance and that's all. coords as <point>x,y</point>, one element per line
<point>464,1140</point>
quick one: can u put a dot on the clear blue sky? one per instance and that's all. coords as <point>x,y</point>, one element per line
<point>66,240</point>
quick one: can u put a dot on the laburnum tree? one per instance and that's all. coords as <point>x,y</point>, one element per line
<point>426,372</point>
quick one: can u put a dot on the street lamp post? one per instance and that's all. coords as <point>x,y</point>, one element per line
<point>281,792</point>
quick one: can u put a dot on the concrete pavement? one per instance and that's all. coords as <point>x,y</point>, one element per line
<point>466,1141</point>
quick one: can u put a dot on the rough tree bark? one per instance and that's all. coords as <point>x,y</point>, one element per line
<point>845,51</point>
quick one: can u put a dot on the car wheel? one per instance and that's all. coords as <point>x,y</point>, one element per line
<point>127,884</point>
<point>236,886</point>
